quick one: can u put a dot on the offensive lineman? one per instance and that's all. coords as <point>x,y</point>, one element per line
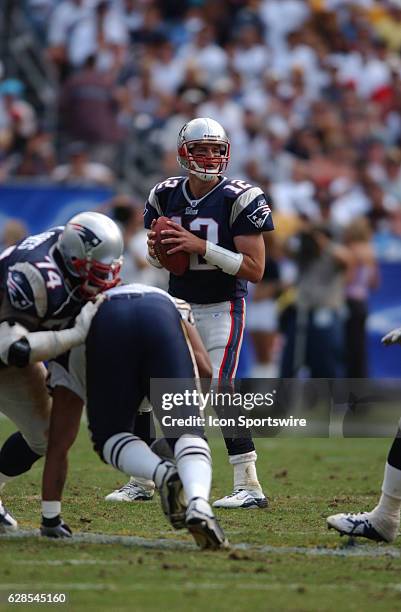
<point>381,524</point>
<point>218,221</point>
<point>139,329</point>
<point>46,281</point>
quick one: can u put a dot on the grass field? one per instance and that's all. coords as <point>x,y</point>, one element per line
<point>283,558</point>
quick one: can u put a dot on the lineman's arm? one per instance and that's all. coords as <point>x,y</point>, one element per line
<point>200,353</point>
<point>18,347</point>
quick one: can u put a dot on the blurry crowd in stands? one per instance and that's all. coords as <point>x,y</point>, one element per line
<point>310,94</point>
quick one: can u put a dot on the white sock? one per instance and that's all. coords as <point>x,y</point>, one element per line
<point>194,465</point>
<point>390,501</point>
<point>386,516</point>
<point>131,455</point>
<point>245,476</point>
<point>51,509</point>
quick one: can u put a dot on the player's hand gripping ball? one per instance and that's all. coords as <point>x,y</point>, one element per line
<point>176,263</point>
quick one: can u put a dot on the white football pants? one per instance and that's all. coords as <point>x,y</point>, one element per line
<point>25,401</point>
<point>221,327</point>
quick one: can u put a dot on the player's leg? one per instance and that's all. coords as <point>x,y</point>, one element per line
<point>138,489</point>
<point>25,401</point>
<point>221,328</point>
<point>383,522</point>
<point>116,352</point>
<point>191,450</point>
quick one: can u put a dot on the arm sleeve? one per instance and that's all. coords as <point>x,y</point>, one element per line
<point>26,290</point>
<point>152,209</point>
<point>251,213</point>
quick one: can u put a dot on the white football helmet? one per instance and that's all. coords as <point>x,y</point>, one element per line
<point>91,247</point>
<point>203,131</point>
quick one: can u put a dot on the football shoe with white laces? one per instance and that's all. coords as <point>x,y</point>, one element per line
<point>130,492</point>
<point>242,498</point>
<point>363,525</point>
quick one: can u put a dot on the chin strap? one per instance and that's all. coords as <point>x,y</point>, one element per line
<point>204,177</point>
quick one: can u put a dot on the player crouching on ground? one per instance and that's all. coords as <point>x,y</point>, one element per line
<point>47,282</point>
<point>137,335</point>
<point>382,524</point>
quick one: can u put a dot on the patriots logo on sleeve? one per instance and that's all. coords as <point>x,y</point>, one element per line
<point>260,214</point>
<point>19,290</point>
<point>88,237</point>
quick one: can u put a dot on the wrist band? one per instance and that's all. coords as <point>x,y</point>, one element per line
<point>226,260</point>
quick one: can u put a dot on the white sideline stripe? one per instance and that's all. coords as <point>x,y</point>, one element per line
<point>199,586</point>
<point>357,550</point>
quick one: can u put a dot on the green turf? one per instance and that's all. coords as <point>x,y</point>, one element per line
<point>306,480</point>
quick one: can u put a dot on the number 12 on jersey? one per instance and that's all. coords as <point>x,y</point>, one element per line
<point>208,229</point>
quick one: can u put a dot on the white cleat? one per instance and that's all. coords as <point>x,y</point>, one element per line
<point>203,525</point>
<point>242,498</point>
<point>130,492</point>
<point>8,523</point>
<point>362,525</point>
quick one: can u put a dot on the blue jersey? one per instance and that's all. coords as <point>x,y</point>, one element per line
<point>231,208</point>
<point>33,288</point>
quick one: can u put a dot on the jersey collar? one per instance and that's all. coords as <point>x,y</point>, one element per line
<point>192,200</point>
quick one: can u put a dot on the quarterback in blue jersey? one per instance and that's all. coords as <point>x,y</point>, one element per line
<point>219,222</point>
<point>47,282</point>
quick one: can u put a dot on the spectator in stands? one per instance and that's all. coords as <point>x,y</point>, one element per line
<point>262,316</point>
<point>80,170</point>
<point>127,212</point>
<point>65,18</point>
<point>13,231</point>
<point>89,111</point>
<point>16,114</point>
<point>362,277</point>
<point>38,158</point>
<point>103,34</point>
<point>314,325</point>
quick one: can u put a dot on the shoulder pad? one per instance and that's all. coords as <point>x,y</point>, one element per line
<point>31,242</point>
<point>153,201</point>
<point>260,213</point>
<point>19,290</point>
<point>244,199</point>
<point>169,183</point>
<point>26,288</point>
<point>233,188</point>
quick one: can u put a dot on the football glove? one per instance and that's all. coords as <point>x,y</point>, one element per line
<point>392,337</point>
<point>55,528</point>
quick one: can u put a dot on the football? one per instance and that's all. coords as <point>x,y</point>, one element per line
<point>177,263</point>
